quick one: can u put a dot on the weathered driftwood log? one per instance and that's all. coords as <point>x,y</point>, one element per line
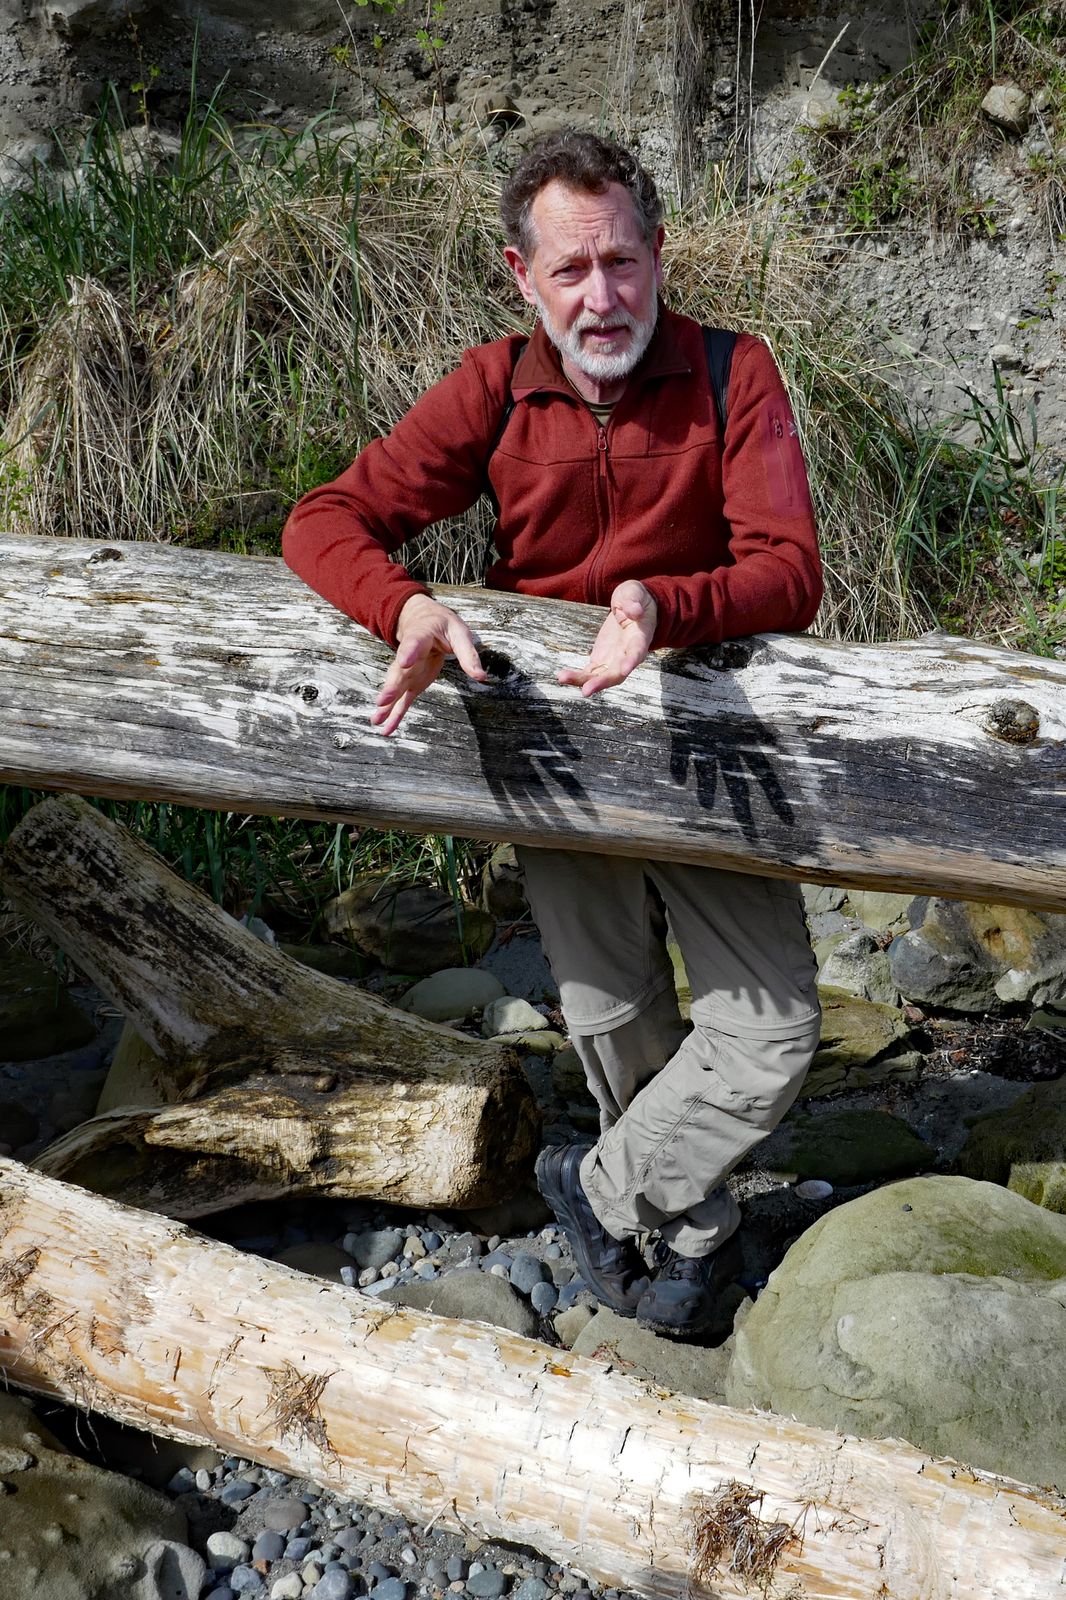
<point>471,1427</point>
<point>289,1081</point>
<point>221,681</point>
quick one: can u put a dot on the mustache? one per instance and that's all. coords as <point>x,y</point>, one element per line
<point>589,322</point>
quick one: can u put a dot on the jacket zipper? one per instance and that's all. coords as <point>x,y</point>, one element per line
<point>602,504</point>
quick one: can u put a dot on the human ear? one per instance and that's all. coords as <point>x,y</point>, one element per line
<point>522,275</point>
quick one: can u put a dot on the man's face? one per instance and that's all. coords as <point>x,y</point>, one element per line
<point>593,278</point>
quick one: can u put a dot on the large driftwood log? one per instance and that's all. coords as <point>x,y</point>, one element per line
<point>221,681</point>
<point>289,1081</point>
<point>473,1428</point>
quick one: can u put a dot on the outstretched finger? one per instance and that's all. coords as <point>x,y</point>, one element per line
<point>387,718</point>
<point>461,641</point>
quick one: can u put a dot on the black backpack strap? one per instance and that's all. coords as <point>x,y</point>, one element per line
<point>718,345</point>
<point>501,428</point>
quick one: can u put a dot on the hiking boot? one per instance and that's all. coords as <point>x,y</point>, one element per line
<point>613,1268</point>
<point>683,1296</point>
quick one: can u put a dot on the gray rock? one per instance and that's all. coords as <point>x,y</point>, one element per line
<point>527,1271</point>
<point>862,1042</point>
<point>683,1368</point>
<point>22,162</point>
<point>885,913</point>
<point>269,1546</point>
<point>488,1584</point>
<point>821,897</point>
<point>409,928</point>
<point>108,1523</point>
<point>291,1587</point>
<point>570,1323</point>
<point>965,955</point>
<point>226,1551</point>
<point>1007,105</point>
<point>543,1297</point>
<point>475,1295</point>
<point>389,1589</point>
<point>511,1015</point>
<point>453,992</point>
<point>931,1310</point>
<point>173,1572</point>
<point>858,965</point>
<point>375,1246</point>
<point>532,1589</point>
<point>282,1513</point>
<point>460,1247</point>
<point>335,1584</point>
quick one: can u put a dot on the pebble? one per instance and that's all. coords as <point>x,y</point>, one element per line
<point>527,1271</point>
<point>553,1252</point>
<point>245,1580</point>
<point>334,1584</point>
<point>390,1589</point>
<point>236,1493</point>
<point>376,1572</point>
<point>225,1550</point>
<point>456,1569</point>
<point>543,1298</point>
<point>269,1546</point>
<point>375,1246</point>
<point>291,1587</point>
<point>204,1480</point>
<point>282,1513</point>
<point>488,1584</point>
<point>532,1589</point>
<point>221,1591</point>
<point>183,1481</point>
<point>296,1549</point>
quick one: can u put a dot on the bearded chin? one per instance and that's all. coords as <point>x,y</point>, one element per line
<point>604,368</point>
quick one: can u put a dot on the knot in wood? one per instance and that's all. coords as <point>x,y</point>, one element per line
<point>106,554</point>
<point>1014,720</point>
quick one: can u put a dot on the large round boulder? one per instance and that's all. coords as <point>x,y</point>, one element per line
<point>933,1310</point>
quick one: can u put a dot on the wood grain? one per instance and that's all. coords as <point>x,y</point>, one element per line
<point>937,765</point>
<point>472,1428</point>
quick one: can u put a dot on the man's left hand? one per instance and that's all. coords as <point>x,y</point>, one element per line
<point>621,644</point>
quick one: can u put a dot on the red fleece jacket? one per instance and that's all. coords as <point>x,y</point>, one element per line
<point>723,539</point>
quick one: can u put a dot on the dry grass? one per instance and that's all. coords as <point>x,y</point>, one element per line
<point>327,286</point>
<point>728,1538</point>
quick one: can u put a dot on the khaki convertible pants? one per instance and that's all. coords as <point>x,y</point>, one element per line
<point>678,1108</point>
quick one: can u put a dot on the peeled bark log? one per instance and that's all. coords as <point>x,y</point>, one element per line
<point>221,681</point>
<point>472,1428</point>
<point>304,1084</point>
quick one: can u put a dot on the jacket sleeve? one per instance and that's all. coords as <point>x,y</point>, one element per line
<point>772,581</point>
<point>339,537</point>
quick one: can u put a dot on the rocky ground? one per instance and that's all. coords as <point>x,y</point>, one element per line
<point>179,1522</point>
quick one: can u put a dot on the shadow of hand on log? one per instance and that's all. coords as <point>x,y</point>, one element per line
<point>528,754</point>
<point>712,750</point>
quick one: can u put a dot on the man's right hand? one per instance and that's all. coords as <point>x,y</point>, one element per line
<point>427,633</point>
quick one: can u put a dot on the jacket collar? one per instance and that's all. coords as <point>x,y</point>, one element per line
<point>539,366</point>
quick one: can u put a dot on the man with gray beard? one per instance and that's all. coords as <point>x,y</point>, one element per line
<point>616,485</point>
